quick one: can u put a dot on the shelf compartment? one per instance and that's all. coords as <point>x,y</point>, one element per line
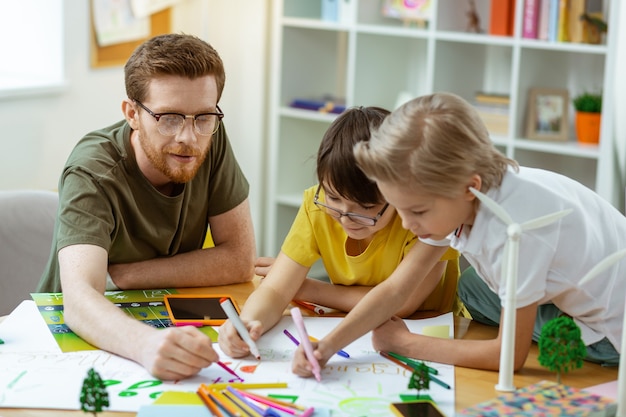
<point>464,68</point>
<point>574,71</point>
<point>570,148</point>
<point>313,63</point>
<point>394,70</point>
<point>581,169</point>
<point>297,152</point>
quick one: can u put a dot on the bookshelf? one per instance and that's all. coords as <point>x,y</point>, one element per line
<point>364,58</point>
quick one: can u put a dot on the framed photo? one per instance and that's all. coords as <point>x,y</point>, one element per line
<point>547,114</point>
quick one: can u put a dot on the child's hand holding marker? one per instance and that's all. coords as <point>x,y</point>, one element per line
<point>241,329</point>
<point>309,354</point>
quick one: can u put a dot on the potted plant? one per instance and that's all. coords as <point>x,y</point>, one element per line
<point>588,116</point>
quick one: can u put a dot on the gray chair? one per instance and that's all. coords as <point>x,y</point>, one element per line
<point>26,228</point>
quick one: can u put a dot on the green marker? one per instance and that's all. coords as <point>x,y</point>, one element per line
<point>1,342</point>
<point>413,363</point>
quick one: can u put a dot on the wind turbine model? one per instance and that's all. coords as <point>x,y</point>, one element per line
<point>621,374</point>
<point>509,270</point>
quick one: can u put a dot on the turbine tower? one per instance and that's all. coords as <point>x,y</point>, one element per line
<point>509,271</point>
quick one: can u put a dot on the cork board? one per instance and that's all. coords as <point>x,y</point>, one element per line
<point>118,54</point>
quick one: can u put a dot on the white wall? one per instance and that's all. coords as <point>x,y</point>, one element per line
<point>38,132</point>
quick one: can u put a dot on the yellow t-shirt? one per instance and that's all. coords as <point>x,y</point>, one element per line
<point>315,234</point>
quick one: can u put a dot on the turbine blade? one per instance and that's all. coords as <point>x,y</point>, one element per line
<point>493,206</point>
<point>602,265</point>
<point>544,220</point>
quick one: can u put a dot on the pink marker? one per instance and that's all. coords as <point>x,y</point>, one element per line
<point>296,315</point>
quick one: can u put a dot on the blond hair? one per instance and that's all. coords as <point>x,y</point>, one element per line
<point>435,143</point>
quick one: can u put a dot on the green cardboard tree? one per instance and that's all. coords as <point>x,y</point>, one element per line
<point>93,395</point>
<point>560,347</point>
<point>420,379</point>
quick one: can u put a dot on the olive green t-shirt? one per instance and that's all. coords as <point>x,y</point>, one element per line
<point>105,200</point>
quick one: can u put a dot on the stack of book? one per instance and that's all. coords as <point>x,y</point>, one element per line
<point>494,111</point>
<point>545,399</point>
<point>560,20</point>
<point>326,104</point>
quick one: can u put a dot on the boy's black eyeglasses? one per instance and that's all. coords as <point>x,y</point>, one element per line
<point>356,218</point>
<point>171,124</point>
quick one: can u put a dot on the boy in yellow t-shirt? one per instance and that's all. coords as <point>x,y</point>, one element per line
<point>346,222</point>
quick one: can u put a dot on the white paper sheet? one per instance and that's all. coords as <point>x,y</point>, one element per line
<point>34,373</point>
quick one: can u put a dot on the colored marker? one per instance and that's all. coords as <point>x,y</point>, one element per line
<point>230,311</point>
<point>416,365</point>
<point>317,309</point>
<point>396,361</point>
<point>312,339</point>
<point>229,370</point>
<point>413,362</point>
<point>439,382</point>
<point>296,315</point>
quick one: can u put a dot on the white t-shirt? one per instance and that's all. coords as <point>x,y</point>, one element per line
<point>554,258</point>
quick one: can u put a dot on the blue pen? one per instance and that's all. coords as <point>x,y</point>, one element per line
<point>294,340</point>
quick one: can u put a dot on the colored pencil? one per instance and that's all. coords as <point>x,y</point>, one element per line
<point>243,405</point>
<point>209,402</point>
<point>247,385</point>
<point>226,403</point>
<point>264,400</point>
<point>274,402</point>
<point>262,409</point>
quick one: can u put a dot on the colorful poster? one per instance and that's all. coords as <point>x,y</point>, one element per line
<point>35,373</point>
<point>143,305</point>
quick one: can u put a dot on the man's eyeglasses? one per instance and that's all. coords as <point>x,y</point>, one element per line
<point>356,218</point>
<point>171,124</point>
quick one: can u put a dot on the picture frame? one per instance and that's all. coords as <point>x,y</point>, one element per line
<point>548,117</point>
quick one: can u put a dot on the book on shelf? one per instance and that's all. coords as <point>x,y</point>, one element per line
<point>322,105</point>
<point>501,18</point>
<point>553,20</point>
<point>493,109</point>
<point>545,398</point>
<point>496,121</point>
<point>575,26</point>
<point>562,28</point>
<point>530,19</point>
<point>492,98</point>
<point>336,11</point>
<point>544,20</point>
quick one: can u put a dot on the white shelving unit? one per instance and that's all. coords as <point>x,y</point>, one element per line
<point>369,59</point>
